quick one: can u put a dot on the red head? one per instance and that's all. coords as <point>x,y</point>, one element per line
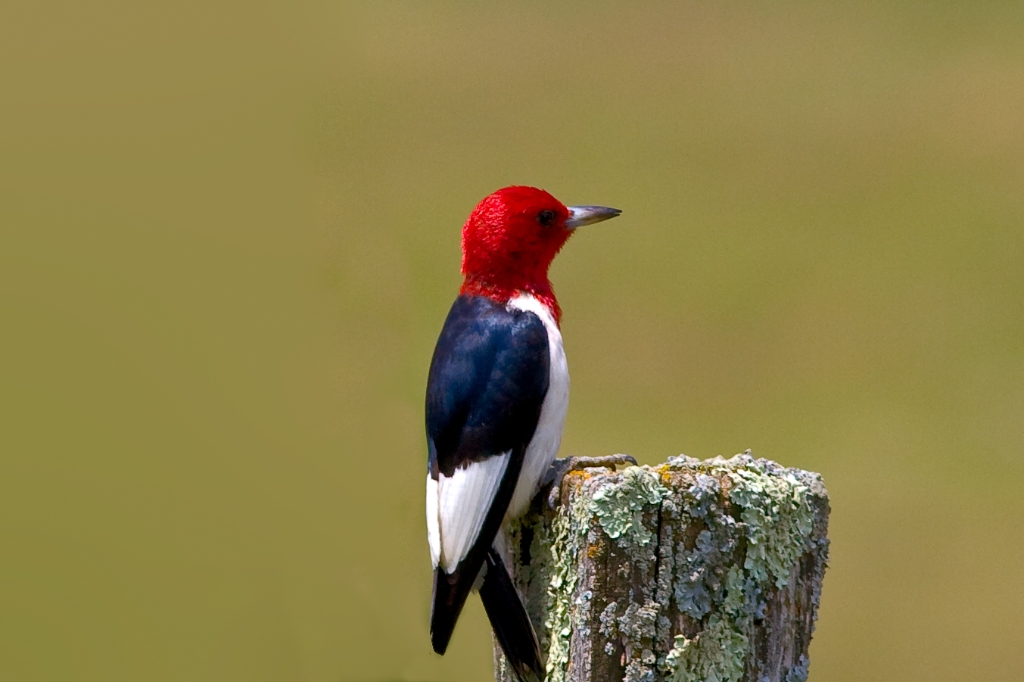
<point>511,238</point>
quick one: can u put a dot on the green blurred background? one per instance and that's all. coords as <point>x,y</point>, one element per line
<point>229,235</point>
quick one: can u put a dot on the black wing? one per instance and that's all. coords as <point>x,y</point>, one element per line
<point>487,383</point>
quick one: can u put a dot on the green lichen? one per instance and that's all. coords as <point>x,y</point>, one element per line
<point>626,507</point>
<point>638,627</point>
<point>568,527</point>
<point>778,517</point>
<point>722,573</point>
<point>619,506</point>
<point>735,597</point>
<point>717,654</point>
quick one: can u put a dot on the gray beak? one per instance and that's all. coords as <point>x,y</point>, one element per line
<point>588,215</point>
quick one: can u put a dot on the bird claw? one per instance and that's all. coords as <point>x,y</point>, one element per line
<point>560,468</point>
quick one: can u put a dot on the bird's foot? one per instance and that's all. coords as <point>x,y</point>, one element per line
<point>562,467</point>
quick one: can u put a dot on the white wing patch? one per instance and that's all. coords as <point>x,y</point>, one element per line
<point>460,504</point>
<point>433,533</point>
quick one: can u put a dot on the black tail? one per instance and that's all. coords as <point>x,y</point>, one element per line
<point>450,592</point>
<point>508,618</point>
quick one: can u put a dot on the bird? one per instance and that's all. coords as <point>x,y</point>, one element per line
<point>496,402</point>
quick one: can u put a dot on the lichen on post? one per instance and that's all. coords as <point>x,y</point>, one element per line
<point>689,571</point>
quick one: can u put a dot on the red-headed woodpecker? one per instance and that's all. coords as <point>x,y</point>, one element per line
<point>497,394</point>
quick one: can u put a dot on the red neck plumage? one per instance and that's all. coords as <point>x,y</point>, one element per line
<point>503,293</point>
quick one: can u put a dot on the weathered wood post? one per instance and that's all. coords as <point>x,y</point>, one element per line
<point>690,571</point>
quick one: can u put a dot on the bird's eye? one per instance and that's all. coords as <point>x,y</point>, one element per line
<point>546,217</point>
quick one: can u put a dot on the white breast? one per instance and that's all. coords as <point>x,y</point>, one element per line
<point>541,451</point>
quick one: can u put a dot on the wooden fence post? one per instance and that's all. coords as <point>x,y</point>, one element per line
<point>690,571</point>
